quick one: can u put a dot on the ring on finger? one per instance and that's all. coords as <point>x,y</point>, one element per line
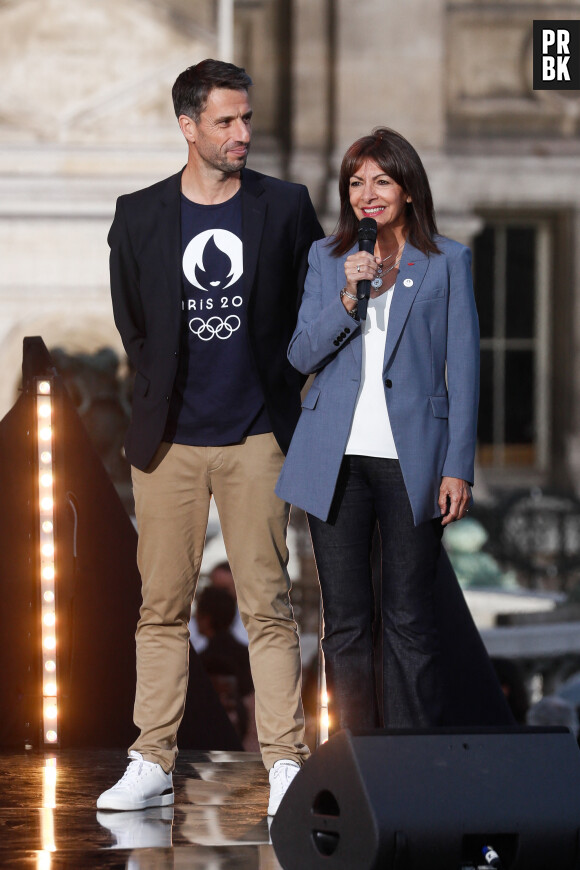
<point>358,268</point>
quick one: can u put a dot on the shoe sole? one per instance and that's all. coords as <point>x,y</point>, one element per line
<point>160,800</point>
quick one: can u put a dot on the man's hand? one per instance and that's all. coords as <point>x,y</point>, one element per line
<point>454,496</point>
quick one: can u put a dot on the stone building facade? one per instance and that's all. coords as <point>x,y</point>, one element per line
<point>85,114</point>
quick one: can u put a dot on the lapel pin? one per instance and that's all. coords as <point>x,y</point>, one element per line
<point>408,282</point>
<point>410,264</point>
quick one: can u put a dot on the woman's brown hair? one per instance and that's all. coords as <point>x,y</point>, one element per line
<point>399,160</point>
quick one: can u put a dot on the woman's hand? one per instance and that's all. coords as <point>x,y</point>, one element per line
<point>454,496</point>
<point>361,266</point>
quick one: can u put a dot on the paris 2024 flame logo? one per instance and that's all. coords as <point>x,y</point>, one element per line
<point>214,259</point>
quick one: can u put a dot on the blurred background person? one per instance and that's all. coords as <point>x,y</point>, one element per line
<point>227,661</point>
<point>513,685</point>
<point>215,613</point>
<point>220,577</point>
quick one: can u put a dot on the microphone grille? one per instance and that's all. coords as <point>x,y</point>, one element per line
<point>367,229</point>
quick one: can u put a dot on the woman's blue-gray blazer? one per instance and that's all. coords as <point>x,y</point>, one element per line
<point>430,373</point>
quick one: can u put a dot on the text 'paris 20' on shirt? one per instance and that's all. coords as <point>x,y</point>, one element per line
<point>217,398</point>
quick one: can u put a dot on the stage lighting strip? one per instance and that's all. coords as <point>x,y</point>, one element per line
<point>47,559</point>
<point>324,720</point>
<point>47,839</point>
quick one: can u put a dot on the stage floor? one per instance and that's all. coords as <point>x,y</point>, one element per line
<point>49,821</point>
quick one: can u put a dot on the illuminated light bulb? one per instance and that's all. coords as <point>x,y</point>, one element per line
<point>50,710</point>
<point>48,572</point>
<point>49,618</point>
<point>44,387</point>
<point>46,478</point>
<point>46,457</point>
<point>44,410</point>
<point>50,666</point>
<point>45,433</point>
<point>47,550</point>
<point>49,642</point>
<point>50,690</point>
<point>47,526</point>
<point>48,596</point>
<point>51,736</point>
<point>46,503</point>
<point>324,698</point>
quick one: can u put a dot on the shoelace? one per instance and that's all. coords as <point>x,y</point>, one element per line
<point>135,770</point>
<point>283,770</point>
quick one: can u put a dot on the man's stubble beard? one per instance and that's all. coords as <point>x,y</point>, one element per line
<point>216,161</point>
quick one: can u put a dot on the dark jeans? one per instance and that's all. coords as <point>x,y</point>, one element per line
<point>371,491</point>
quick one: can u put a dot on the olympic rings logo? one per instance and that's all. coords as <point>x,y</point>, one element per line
<point>214,326</point>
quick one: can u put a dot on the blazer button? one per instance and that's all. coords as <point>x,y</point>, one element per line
<point>336,342</point>
<point>346,329</point>
<point>166,398</point>
<point>388,383</point>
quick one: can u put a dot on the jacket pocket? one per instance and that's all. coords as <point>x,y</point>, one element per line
<point>311,398</point>
<point>430,293</point>
<point>439,406</point>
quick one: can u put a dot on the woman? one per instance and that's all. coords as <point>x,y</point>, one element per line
<point>387,431</point>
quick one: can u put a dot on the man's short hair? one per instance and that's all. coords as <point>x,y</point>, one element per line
<point>192,87</point>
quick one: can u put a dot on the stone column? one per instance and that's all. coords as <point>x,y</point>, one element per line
<point>312,95</point>
<point>573,437</point>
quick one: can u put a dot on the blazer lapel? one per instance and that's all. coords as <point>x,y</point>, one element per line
<point>254,208</point>
<point>169,235</point>
<point>412,269</point>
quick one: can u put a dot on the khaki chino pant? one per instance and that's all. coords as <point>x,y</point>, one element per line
<point>172,499</point>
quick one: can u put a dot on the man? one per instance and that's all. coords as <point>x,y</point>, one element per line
<point>207,268</point>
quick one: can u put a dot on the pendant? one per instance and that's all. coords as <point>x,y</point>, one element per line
<point>377,283</point>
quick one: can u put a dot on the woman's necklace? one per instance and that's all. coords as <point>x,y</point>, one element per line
<point>377,282</point>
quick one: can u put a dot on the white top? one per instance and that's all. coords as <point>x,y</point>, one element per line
<point>370,431</point>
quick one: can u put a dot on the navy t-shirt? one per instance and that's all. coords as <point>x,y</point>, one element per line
<point>217,397</point>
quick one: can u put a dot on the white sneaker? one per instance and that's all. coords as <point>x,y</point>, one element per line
<point>281,775</point>
<point>144,784</point>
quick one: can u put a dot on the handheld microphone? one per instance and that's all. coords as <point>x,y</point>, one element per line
<point>367,236</point>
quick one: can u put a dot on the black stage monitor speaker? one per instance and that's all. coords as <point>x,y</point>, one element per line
<point>434,801</point>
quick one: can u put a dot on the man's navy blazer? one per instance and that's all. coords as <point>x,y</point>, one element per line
<point>278,227</point>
